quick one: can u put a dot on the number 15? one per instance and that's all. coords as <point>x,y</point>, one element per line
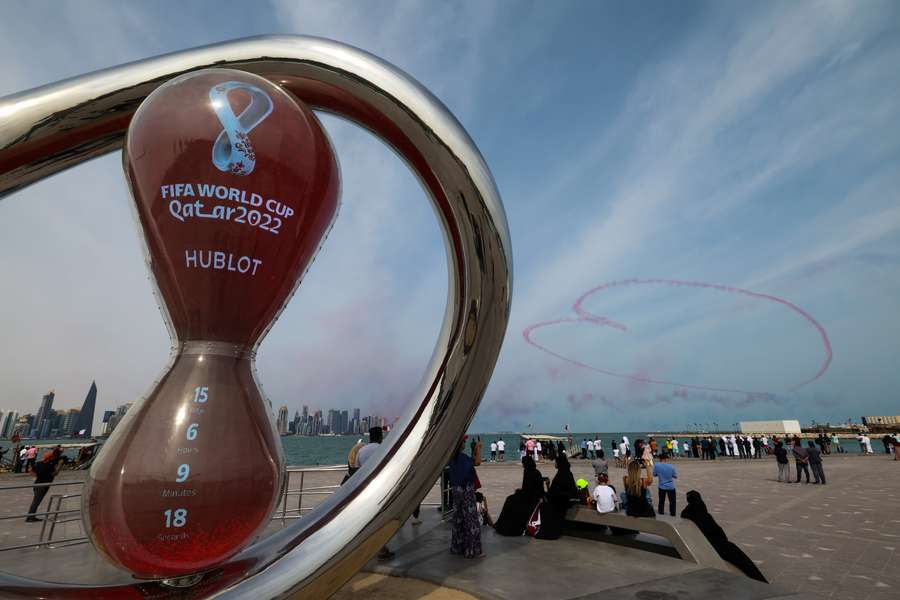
<point>201,394</point>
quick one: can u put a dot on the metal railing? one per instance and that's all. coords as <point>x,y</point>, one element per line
<point>57,515</point>
<point>50,515</point>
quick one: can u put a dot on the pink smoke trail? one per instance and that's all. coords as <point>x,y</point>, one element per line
<point>586,317</point>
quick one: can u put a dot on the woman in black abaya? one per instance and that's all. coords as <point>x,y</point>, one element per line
<point>518,506</point>
<point>696,511</point>
<point>561,496</point>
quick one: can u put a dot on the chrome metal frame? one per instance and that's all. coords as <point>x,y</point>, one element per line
<point>52,128</point>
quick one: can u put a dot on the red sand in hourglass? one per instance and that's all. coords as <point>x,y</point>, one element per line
<point>235,186</point>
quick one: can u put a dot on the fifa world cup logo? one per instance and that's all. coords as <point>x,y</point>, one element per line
<point>232,151</point>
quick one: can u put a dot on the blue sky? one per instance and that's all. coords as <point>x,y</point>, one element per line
<point>753,145</point>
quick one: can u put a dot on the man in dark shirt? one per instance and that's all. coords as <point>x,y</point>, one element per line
<point>784,467</point>
<point>44,472</point>
<point>815,463</point>
<point>801,458</point>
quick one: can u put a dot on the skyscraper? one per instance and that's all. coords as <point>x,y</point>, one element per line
<point>283,420</point>
<point>68,421</point>
<point>44,412</point>
<point>85,422</point>
<point>8,423</point>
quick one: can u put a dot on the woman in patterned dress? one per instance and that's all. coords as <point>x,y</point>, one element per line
<point>465,536</point>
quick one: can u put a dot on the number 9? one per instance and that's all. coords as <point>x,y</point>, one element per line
<point>192,431</point>
<point>183,472</point>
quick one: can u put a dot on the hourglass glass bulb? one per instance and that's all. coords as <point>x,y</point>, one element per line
<point>234,185</point>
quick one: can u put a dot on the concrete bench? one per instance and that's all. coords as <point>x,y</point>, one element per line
<point>687,540</point>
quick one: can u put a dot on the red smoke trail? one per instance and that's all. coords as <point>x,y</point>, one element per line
<point>586,317</point>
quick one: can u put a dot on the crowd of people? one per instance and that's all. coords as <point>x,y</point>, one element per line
<point>538,508</point>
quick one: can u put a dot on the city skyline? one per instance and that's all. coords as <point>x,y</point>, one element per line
<point>41,423</point>
<point>337,422</point>
<point>48,422</point>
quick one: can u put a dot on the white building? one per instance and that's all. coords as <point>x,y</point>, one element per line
<point>782,427</point>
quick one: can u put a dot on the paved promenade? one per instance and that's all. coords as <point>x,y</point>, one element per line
<point>840,540</point>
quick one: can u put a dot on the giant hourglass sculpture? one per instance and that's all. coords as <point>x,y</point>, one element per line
<point>180,491</point>
<point>234,185</point>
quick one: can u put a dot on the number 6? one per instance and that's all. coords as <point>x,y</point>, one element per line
<point>192,431</point>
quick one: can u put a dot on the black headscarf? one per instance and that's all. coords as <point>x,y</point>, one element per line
<point>562,490</point>
<point>532,480</point>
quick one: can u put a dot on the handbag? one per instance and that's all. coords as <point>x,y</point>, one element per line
<point>534,521</point>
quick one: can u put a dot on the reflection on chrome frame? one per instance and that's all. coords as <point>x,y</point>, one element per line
<point>48,129</point>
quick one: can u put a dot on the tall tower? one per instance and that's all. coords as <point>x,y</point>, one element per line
<point>85,422</point>
<point>283,420</point>
<point>43,412</point>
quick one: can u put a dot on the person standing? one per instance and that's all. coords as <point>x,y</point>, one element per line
<point>538,451</point>
<point>465,534</point>
<point>623,452</point>
<point>44,472</point>
<point>667,475</point>
<point>781,459</point>
<point>472,447</point>
<point>376,436</point>
<point>501,449</point>
<point>836,442</point>
<point>888,442</point>
<point>493,451</point>
<point>30,458</point>
<point>598,445</point>
<point>20,458</point>
<point>801,459</point>
<point>815,462</point>
<point>600,465</point>
<point>590,449</point>
<point>529,448</point>
<point>646,454</point>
